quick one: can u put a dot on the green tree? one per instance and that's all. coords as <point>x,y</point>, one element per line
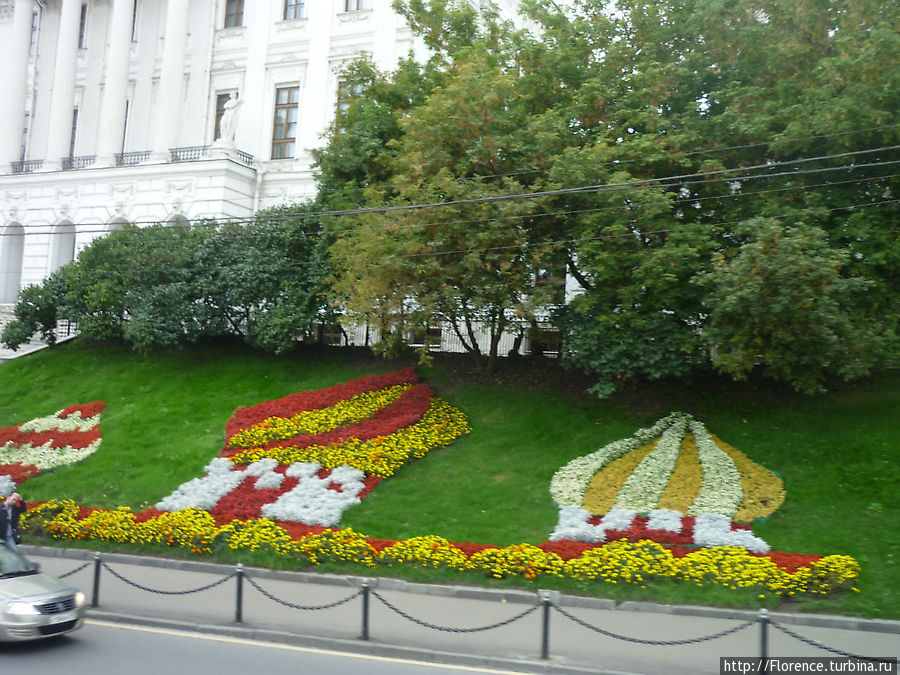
<point>780,302</point>
<point>166,286</point>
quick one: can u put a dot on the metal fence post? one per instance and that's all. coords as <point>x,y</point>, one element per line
<point>545,626</point>
<point>764,641</point>
<point>95,599</point>
<point>365,610</point>
<point>239,602</point>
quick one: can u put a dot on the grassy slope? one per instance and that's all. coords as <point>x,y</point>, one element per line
<point>165,419</point>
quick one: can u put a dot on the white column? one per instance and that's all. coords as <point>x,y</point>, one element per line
<point>170,97</point>
<point>115,89</point>
<point>62,100</point>
<point>14,85</point>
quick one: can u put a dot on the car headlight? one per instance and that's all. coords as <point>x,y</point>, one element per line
<point>21,608</point>
<point>79,599</point>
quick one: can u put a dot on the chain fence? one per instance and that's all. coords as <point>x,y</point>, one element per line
<point>819,645</point>
<point>160,592</point>
<point>657,643</point>
<point>445,629</point>
<point>364,592</point>
<point>75,571</point>
<point>285,603</point>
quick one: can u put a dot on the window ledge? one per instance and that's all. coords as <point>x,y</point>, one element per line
<point>355,15</point>
<point>289,25</point>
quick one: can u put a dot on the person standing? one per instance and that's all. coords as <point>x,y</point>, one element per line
<point>10,510</point>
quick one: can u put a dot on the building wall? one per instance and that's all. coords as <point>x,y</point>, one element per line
<point>211,180</point>
<point>54,200</point>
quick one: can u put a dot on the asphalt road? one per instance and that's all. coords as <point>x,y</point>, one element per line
<point>102,648</point>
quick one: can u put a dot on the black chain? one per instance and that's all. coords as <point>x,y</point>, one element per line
<point>293,606</point>
<point>76,570</point>
<point>454,630</point>
<point>153,590</point>
<point>652,642</point>
<point>813,643</point>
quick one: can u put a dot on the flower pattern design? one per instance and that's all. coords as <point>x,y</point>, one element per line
<point>66,437</point>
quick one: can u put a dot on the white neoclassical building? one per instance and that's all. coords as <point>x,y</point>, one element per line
<point>164,111</point>
<point>148,111</point>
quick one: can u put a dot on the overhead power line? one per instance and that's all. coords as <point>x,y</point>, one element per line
<point>654,158</point>
<point>524,245</point>
<point>704,178</point>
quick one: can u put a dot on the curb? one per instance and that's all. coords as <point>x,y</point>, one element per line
<point>473,592</point>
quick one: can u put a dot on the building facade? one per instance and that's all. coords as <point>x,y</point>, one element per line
<point>147,111</point>
<point>168,111</point>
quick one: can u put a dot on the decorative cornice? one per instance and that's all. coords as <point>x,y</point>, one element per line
<point>358,15</point>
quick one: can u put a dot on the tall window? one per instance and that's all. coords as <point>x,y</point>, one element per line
<point>82,26</point>
<point>25,136</point>
<point>125,125</point>
<point>35,23</point>
<point>234,13</point>
<point>294,9</point>
<point>284,131</point>
<point>74,129</point>
<point>356,5</point>
<point>221,100</point>
<point>346,92</point>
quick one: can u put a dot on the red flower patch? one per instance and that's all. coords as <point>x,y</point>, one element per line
<point>289,406</point>
<point>405,411</point>
<point>57,439</point>
<point>19,472</point>
<point>245,502</point>
<point>86,409</point>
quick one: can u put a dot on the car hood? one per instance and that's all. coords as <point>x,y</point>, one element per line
<point>32,584</point>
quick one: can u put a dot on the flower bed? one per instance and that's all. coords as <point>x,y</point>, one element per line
<point>619,561</point>
<point>289,406</point>
<point>319,454</point>
<point>66,437</point>
<point>711,483</point>
<point>317,421</point>
<point>291,467</point>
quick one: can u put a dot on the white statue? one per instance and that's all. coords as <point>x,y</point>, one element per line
<point>228,122</point>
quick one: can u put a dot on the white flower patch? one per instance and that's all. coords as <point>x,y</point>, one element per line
<point>665,519</point>
<point>714,529</point>
<point>710,529</point>
<point>644,487</point>
<point>266,476</point>
<point>303,469</point>
<point>72,422</point>
<point>573,524</point>
<point>270,479</point>
<point>568,485</point>
<point>205,493</point>
<point>721,491</point>
<point>7,486</point>
<point>311,501</point>
<point>45,456</point>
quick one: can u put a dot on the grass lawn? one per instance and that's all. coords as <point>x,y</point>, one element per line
<point>165,419</point>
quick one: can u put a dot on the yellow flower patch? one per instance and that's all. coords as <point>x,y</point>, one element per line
<point>519,560</point>
<point>617,562</point>
<point>381,456</point>
<point>348,411</point>
<point>604,486</point>
<point>427,551</point>
<point>686,481</point>
<point>763,490</point>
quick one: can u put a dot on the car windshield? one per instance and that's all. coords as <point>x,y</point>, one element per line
<point>14,563</point>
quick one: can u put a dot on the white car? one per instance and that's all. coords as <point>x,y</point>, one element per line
<point>35,605</point>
